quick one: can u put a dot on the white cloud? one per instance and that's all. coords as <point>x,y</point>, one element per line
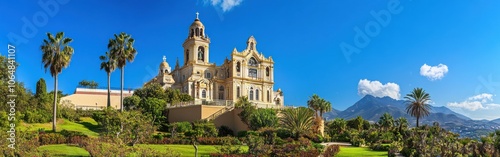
<point>225,5</point>
<point>378,89</point>
<point>434,72</point>
<point>477,102</point>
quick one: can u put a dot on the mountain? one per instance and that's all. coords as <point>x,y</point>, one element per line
<point>372,108</point>
<point>496,121</point>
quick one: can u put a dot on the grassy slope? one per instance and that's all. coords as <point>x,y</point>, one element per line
<point>63,150</point>
<point>359,151</point>
<point>87,126</point>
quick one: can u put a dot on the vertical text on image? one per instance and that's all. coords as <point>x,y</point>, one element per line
<point>11,96</point>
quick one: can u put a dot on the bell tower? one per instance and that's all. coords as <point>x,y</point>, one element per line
<point>196,46</point>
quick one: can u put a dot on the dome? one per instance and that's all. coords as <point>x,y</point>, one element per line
<point>164,65</point>
<point>197,24</point>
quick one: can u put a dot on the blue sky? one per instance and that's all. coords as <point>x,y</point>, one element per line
<point>303,37</point>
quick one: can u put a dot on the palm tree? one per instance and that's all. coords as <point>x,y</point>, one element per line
<point>386,121</point>
<point>56,55</point>
<point>122,50</point>
<point>417,103</point>
<point>324,106</point>
<point>298,120</point>
<point>314,103</point>
<point>402,124</point>
<point>109,65</point>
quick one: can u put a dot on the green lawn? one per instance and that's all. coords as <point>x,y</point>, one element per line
<point>359,151</point>
<point>87,126</point>
<point>187,150</point>
<point>64,150</point>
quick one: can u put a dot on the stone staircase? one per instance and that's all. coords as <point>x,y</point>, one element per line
<point>220,112</point>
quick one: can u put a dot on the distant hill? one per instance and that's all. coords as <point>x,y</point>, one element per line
<point>496,121</point>
<point>372,108</point>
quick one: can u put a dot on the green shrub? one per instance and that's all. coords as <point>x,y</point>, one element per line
<point>51,138</point>
<point>37,116</point>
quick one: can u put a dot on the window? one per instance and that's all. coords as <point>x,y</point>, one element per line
<point>267,71</point>
<point>192,33</point>
<point>221,92</point>
<point>268,96</point>
<point>201,32</point>
<point>238,91</point>
<point>252,72</point>
<point>201,53</point>
<point>257,94</point>
<point>238,66</point>
<point>251,45</point>
<point>208,75</point>
<point>251,93</point>
<point>204,94</point>
<point>252,62</point>
<point>197,31</point>
<point>278,102</point>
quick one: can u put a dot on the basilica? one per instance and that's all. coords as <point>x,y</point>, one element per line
<point>247,73</point>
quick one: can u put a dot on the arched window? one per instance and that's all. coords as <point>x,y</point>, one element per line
<point>251,93</point>
<point>238,92</point>
<point>252,73</point>
<point>204,94</point>
<point>268,96</point>
<point>267,71</point>
<point>238,67</point>
<point>201,53</point>
<point>257,94</point>
<point>278,102</point>
<point>221,92</point>
<point>201,32</point>
<point>192,33</point>
<point>251,45</point>
<point>252,62</point>
<point>197,32</point>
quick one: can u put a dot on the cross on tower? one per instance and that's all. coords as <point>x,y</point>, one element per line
<point>164,59</point>
<point>197,15</point>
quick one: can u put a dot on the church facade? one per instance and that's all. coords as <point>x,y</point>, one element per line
<point>247,73</point>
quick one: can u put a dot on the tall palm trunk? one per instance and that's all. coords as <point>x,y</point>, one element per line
<point>417,121</point>
<point>55,105</point>
<point>121,91</point>
<point>109,90</point>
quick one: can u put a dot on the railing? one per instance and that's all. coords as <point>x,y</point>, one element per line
<point>202,102</point>
<point>220,112</point>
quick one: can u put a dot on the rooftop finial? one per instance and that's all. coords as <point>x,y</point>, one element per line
<point>164,59</point>
<point>197,15</point>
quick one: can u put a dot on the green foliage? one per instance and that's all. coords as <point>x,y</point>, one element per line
<point>69,113</point>
<point>88,84</point>
<point>37,116</point>
<point>131,102</point>
<point>298,120</point>
<point>418,103</point>
<point>153,90</point>
<point>263,118</point>
<point>154,107</point>
<point>129,127</point>
<point>356,123</point>
<point>203,129</point>
<point>248,109</point>
<point>386,121</point>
